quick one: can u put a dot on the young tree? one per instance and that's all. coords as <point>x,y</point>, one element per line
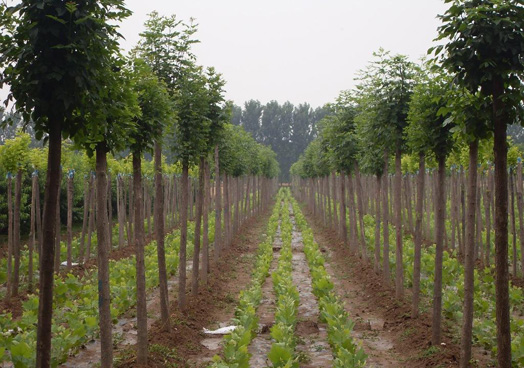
<point>107,129</point>
<point>427,132</point>
<point>155,110</point>
<point>52,54</point>
<point>485,50</point>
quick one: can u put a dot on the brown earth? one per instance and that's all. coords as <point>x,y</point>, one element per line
<point>366,292</point>
<point>215,303</point>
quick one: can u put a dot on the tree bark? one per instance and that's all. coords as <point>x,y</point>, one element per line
<point>377,225</point>
<point>520,206</point>
<point>90,227</point>
<point>385,220</point>
<point>34,194</point>
<point>103,234</point>
<point>159,222</point>
<point>361,213</point>
<point>10,236</point>
<point>141,307</point>
<point>500,151</point>
<point>205,230</point>
<point>45,305</point>
<point>418,234</point>
<point>399,266</point>
<point>218,205</point>
<point>198,228</point>
<point>183,239</point>
<point>58,227</point>
<point>70,193</point>
<point>343,225</point>
<point>16,232</point>
<point>440,217</point>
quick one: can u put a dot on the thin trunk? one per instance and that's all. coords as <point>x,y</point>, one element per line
<point>218,209</point>
<point>58,227</point>
<point>141,307</point>
<point>361,213</point>
<point>352,216</point>
<point>16,232</point>
<point>520,206</point>
<point>10,237</point>
<point>198,228</point>
<point>91,225</point>
<point>205,220</point>
<point>103,235</point>
<point>399,267</point>
<point>377,225</point>
<point>227,212</point>
<point>32,236</point>
<point>110,209</point>
<point>418,234</point>
<point>385,207</point>
<point>159,222</point>
<point>513,225</point>
<point>70,193</point>
<point>469,259</point>
<point>183,239</point>
<point>45,305</point>
<point>343,225</point>
<point>501,227</point>
<point>440,217</point>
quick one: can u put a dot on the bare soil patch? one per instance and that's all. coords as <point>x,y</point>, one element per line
<point>390,337</point>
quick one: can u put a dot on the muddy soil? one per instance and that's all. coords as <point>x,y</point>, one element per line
<point>313,347</point>
<point>389,335</point>
<point>186,345</point>
<point>261,344</point>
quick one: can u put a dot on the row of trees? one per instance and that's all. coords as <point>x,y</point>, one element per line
<point>286,128</point>
<point>471,91</point>
<point>66,75</point>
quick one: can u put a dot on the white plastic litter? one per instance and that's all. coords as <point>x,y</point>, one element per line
<point>220,331</point>
<point>65,264</point>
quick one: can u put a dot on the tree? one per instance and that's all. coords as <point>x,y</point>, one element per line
<point>51,55</point>
<point>427,132</point>
<point>390,81</point>
<point>107,129</point>
<point>485,50</point>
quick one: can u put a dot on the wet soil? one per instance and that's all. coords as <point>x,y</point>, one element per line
<point>389,335</point>
<point>313,348</point>
<point>186,345</point>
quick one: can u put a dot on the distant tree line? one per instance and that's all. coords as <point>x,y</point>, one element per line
<point>286,128</point>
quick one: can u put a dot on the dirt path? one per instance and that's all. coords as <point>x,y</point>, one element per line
<point>390,337</point>
<point>261,344</point>
<point>186,345</point>
<point>313,343</point>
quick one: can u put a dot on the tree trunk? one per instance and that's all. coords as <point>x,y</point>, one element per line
<point>110,210</point>
<point>399,267</point>
<point>385,220</point>
<point>343,225</point>
<point>227,212</point>
<point>361,213</point>
<point>198,228</point>
<point>16,232</point>
<point>90,227</point>
<point>513,225</point>
<point>500,151</point>
<point>183,239</point>
<point>218,205</point>
<point>352,216</point>
<point>440,217</point>
<point>159,222</point>
<point>70,193</point>
<point>520,206</point>
<point>10,236</point>
<point>141,307</point>
<point>205,220</point>
<point>34,194</point>
<point>377,225</point>
<point>469,259</point>
<point>103,234</point>
<point>418,234</point>
<point>58,227</point>
<point>334,188</point>
<point>85,218</point>
<point>45,305</point>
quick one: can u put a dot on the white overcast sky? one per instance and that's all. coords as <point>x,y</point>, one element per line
<point>296,50</point>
